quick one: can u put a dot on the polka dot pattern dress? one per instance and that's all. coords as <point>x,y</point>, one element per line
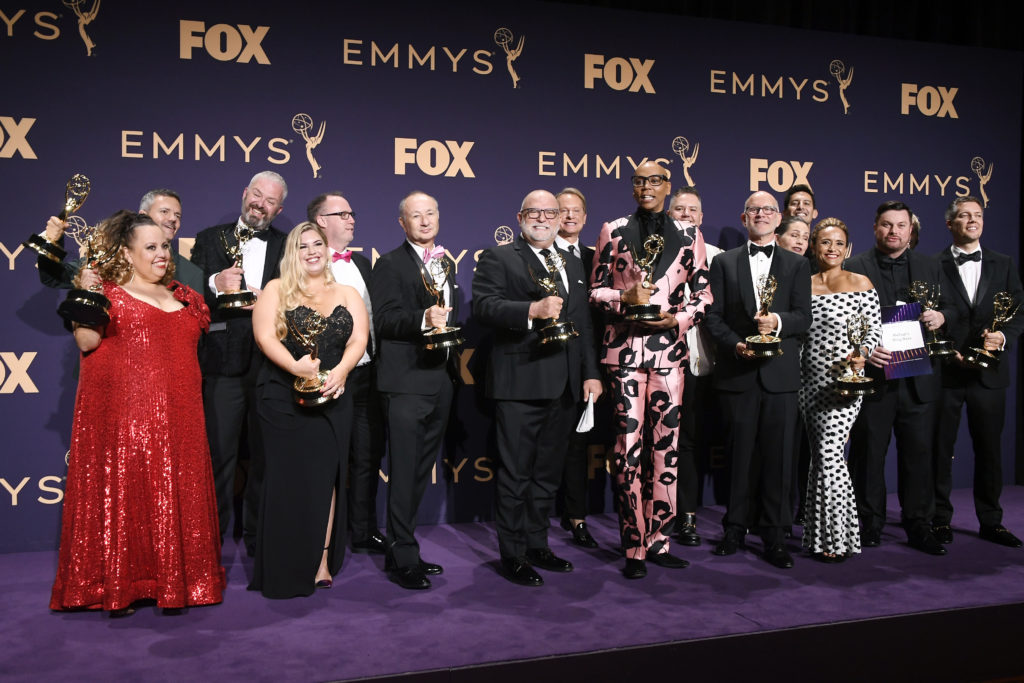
<point>830,520</point>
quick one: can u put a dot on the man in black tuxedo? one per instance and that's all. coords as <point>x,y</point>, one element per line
<point>759,395</point>
<point>536,387</point>
<point>972,276</point>
<point>572,206</point>
<point>332,212</point>
<point>229,357</point>
<point>416,383</point>
<point>906,406</point>
<point>163,206</point>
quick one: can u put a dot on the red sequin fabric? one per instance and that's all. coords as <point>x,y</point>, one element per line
<point>140,512</point>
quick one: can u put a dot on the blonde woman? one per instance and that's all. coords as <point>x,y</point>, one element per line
<point>301,535</point>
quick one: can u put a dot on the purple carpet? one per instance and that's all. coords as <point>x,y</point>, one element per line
<point>367,626</point>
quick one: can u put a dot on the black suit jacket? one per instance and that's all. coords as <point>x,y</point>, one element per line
<point>520,368</point>
<point>229,350</point>
<point>730,320</point>
<point>921,267</point>
<point>399,300</point>
<point>998,274</point>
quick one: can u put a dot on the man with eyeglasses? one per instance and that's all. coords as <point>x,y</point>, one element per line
<point>643,359</point>
<point>536,387</point>
<point>759,395</point>
<point>229,357</point>
<point>974,276</point>
<point>416,384</point>
<point>332,212</point>
<point>908,406</point>
<point>572,206</point>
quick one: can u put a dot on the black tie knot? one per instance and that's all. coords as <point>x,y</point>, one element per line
<point>963,258</point>
<point>766,250</point>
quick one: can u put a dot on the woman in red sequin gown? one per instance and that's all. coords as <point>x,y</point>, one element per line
<point>140,514</point>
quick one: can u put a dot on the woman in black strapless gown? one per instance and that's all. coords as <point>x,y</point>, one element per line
<point>301,536</point>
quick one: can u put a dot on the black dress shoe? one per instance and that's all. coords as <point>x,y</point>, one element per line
<point>410,578</point>
<point>635,569</point>
<point>688,529</point>
<point>926,543</point>
<point>730,544</point>
<point>943,534</point>
<point>870,538</point>
<point>580,534</point>
<point>999,534</point>
<point>518,570</point>
<point>374,543</point>
<point>431,569</point>
<point>547,560</point>
<point>668,561</point>
<point>777,556</point>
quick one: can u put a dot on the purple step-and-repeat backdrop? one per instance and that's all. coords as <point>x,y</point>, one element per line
<point>476,106</point>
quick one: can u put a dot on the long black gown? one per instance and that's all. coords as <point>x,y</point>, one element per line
<point>306,458</point>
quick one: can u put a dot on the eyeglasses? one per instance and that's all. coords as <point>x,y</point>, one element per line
<point>766,210</point>
<point>343,215</point>
<point>534,214</point>
<point>652,180</point>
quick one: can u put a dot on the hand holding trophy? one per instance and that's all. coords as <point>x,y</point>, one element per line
<point>88,306</point>
<point>647,312</point>
<point>1003,309</point>
<point>241,297</point>
<point>75,193</point>
<point>928,296</point>
<point>308,391</point>
<point>765,345</point>
<point>552,330</point>
<point>853,385</point>
<point>434,276</point>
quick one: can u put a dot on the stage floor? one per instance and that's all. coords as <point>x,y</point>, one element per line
<point>366,626</point>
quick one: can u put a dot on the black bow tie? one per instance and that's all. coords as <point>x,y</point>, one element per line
<point>963,258</point>
<point>766,250</point>
<point>889,262</point>
<point>261,234</point>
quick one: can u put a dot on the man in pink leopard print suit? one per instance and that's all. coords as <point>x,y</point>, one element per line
<point>644,361</point>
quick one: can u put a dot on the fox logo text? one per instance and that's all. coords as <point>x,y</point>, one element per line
<point>223,42</point>
<point>780,175</point>
<point>930,101</point>
<point>434,157</point>
<point>618,73</point>
<point>14,138</point>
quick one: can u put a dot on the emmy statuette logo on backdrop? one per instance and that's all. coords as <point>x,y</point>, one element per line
<point>837,69</point>
<point>302,124</point>
<point>503,37</point>
<point>984,175</point>
<point>681,146</point>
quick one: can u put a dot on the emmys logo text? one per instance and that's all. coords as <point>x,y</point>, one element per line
<point>930,101</point>
<point>14,372</point>
<point>223,42</point>
<point>909,184</point>
<point>780,175</point>
<point>42,30</point>
<point>760,85</point>
<point>588,165</point>
<point>137,144</point>
<point>51,485</point>
<point>356,52</point>
<point>434,157</point>
<point>618,73</point>
<point>14,138</point>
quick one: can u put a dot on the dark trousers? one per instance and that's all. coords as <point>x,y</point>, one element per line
<point>531,438</point>
<point>416,425</point>
<point>695,392</point>
<point>229,405</point>
<point>759,428</point>
<point>366,449</point>
<point>894,410</point>
<point>576,472</point>
<point>986,414</point>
